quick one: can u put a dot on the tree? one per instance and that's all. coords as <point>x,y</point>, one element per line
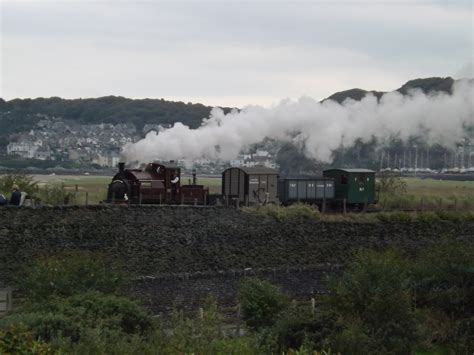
<point>373,300</point>
<point>26,183</point>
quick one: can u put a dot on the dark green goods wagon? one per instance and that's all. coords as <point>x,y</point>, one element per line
<point>309,190</point>
<point>250,185</point>
<point>357,186</point>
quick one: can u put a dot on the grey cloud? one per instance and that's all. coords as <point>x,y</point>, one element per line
<point>242,49</point>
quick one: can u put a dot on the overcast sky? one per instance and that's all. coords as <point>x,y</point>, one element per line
<point>229,53</point>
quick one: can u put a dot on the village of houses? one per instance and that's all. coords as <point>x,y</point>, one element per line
<point>100,145</point>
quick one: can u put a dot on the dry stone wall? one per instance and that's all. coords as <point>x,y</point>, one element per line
<point>203,249</point>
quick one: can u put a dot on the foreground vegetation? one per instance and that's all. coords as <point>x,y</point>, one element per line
<point>384,302</point>
<point>304,211</point>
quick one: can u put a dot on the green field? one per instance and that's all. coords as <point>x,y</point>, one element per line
<point>432,194</point>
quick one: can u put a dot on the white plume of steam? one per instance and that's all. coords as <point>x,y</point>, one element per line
<point>319,128</point>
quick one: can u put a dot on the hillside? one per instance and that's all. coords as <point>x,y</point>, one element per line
<point>427,85</point>
<point>22,114</point>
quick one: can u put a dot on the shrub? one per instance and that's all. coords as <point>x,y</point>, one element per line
<point>444,284</point>
<point>68,274</point>
<point>373,294</point>
<point>394,217</point>
<point>427,217</point>
<point>71,316</point>
<point>455,216</point>
<point>17,340</point>
<point>44,325</point>
<point>444,277</point>
<point>392,185</point>
<point>25,183</point>
<point>55,195</point>
<point>297,210</point>
<point>298,328</point>
<point>261,303</point>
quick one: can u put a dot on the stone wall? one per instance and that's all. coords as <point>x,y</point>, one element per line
<point>203,249</point>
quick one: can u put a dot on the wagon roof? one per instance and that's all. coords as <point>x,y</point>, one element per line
<point>259,170</point>
<point>352,170</point>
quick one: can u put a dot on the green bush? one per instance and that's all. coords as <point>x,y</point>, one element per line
<point>394,217</point>
<point>70,317</point>
<point>445,290</point>
<point>280,213</point>
<point>17,340</point>
<point>68,274</point>
<point>261,303</point>
<point>178,335</point>
<point>373,299</point>
<point>55,195</point>
<point>25,183</point>
<point>444,283</point>
<point>298,328</point>
<point>45,325</point>
<point>392,185</point>
<point>455,216</point>
<point>426,217</point>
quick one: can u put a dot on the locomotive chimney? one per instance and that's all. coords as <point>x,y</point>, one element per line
<point>194,177</point>
<point>121,167</point>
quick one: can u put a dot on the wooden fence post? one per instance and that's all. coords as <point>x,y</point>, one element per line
<point>5,300</point>
<point>323,207</point>
<point>87,198</point>
<point>313,305</point>
<point>239,319</point>
<point>344,208</point>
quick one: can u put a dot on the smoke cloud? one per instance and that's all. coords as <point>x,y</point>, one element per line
<point>318,128</point>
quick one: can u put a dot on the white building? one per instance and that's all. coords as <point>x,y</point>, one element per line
<point>23,149</point>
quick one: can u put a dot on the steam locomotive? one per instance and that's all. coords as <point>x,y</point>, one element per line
<point>157,183</point>
<point>160,183</point>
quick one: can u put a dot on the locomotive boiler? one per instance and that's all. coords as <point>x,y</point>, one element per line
<point>156,183</point>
